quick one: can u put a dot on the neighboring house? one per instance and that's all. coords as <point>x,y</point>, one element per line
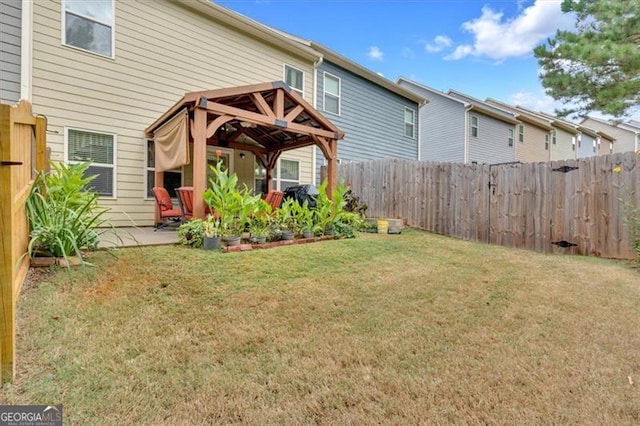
<point>458,128</point>
<point>533,134</point>
<point>14,51</point>
<point>564,136</point>
<point>627,135</point>
<point>379,118</point>
<point>103,72</point>
<point>592,143</point>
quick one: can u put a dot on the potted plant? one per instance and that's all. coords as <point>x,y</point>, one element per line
<point>232,205</point>
<point>304,218</point>
<point>259,223</point>
<point>286,219</point>
<point>211,230</point>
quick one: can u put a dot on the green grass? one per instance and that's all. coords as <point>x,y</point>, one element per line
<point>381,329</point>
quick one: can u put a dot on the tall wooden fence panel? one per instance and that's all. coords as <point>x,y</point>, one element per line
<point>22,150</point>
<point>572,206</point>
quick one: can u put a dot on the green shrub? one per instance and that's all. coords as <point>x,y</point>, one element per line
<point>63,212</point>
<point>191,233</point>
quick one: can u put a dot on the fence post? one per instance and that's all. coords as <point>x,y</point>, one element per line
<point>18,126</point>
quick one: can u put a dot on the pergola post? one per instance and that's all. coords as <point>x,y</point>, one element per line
<point>332,167</point>
<point>199,134</point>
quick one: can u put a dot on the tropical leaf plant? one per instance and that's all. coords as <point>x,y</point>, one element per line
<point>63,213</point>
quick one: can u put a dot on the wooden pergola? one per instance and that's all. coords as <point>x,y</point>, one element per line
<point>264,119</point>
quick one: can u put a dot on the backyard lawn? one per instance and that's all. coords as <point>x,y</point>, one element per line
<point>415,328</point>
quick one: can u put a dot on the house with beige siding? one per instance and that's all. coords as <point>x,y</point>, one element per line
<point>563,137</point>
<point>627,135</point>
<point>104,71</point>
<point>533,135</point>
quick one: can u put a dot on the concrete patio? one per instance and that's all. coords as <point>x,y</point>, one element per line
<point>142,236</point>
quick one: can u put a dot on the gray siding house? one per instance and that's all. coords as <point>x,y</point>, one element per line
<point>10,50</point>
<point>455,127</point>
<point>379,118</point>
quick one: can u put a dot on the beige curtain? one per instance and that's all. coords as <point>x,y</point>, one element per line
<point>172,143</point>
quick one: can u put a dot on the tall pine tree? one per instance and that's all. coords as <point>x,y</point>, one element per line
<point>597,67</point>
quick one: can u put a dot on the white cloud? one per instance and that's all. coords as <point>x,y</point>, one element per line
<point>375,53</point>
<point>439,43</point>
<point>498,38</point>
<point>545,103</point>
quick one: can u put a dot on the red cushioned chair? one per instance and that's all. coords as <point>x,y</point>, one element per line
<point>274,199</point>
<point>167,212</point>
<point>185,196</point>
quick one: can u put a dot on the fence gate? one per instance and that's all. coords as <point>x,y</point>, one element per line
<point>22,151</point>
<point>568,234</point>
<point>519,210</point>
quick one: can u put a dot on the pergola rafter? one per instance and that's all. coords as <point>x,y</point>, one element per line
<point>264,119</point>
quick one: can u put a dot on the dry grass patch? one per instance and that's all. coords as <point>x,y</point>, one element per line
<point>381,329</point>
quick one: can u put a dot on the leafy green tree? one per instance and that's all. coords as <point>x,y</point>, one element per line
<point>597,66</point>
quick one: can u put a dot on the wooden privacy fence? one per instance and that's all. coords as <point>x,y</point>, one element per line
<point>572,206</point>
<point>22,151</point>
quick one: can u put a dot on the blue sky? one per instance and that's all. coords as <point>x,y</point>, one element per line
<point>480,47</point>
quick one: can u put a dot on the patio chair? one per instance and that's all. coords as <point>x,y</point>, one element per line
<point>274,198</point>
<point>165,205</point>
<point>185,197</point>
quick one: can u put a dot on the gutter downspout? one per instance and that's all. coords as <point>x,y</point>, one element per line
<point>314,150</point>
<point>467,109</point>
<point>26,51</point>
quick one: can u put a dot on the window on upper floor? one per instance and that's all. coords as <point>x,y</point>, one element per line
<point>98,149</point>
<point>475,126</point>
<point>172,178</point>
<point>89,25</point>
<point>554,137</point>
<point>610,147</point>
<point>510,139</point>
<point>332,87</point>
<point>521,133</point>
<point>410,123</point>
<point>546,142</point>
<point>294,79</point>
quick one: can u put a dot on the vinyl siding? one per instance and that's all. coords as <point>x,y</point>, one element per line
<point>162,50</point>
<point>491,146</point>
<point>625,140</point>
<point>442,125</point>
<point>371,117</point>
<point>585,147</point>
<point>532,149</point>
<point>563,148</point>
<point>10,54</point>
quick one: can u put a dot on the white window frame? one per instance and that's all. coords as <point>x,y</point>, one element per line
<point>414,124</point>
<point>114,166</point>
<point>477,126</point>
<point>324,93</point>
<point>148,169</point>
<point>63,30</point>
<point>554,137</point>
<point>521,133</point>
<point>610,147</point>
<point>279,177</point>
<point>511,137</point>
<point>284,78</point>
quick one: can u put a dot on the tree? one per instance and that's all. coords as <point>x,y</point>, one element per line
<point>597,66</point>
